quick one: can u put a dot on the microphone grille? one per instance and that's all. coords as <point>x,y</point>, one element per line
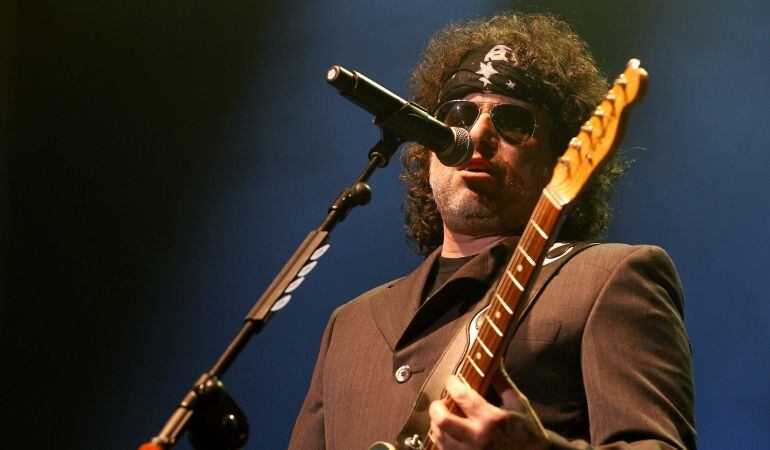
<point>460,151</point>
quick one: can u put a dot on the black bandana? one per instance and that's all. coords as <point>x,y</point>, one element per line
<point>490,71</point>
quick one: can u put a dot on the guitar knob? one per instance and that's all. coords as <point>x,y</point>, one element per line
<point>414,442</point>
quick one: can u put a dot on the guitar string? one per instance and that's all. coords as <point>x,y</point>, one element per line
<point>526,241</point>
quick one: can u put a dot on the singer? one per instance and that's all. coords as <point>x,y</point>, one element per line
<point>601,358</point>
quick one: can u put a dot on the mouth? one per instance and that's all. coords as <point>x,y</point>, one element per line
<point>478,166</point>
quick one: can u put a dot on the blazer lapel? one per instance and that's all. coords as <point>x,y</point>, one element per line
<point>394,305</point>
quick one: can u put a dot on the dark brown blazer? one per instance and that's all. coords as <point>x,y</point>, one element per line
<point>601,353</point>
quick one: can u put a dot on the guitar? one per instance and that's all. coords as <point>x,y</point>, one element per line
<point>595,144</point>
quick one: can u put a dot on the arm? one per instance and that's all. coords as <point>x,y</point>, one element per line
<point>636,371</point>
<point>636,357</point>
<point>309,428</point>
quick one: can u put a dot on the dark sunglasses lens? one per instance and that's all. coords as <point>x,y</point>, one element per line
<point>460,114</point>
<point>514,123</point>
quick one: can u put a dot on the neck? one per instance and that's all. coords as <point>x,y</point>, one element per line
<point>458,245</point>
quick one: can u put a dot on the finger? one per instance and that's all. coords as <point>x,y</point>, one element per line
<point>466,398</point>
<point>510,400</point>
<point>473,405</point>
<point>459,428</point>
<point>511,396</point>
<point>445,441</point>
<point>522,428</point>
<point>519,408</point>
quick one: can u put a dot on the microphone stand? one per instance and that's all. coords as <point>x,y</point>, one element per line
<point>213,418</point>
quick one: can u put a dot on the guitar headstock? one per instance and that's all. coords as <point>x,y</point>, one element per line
<point>599,136</point>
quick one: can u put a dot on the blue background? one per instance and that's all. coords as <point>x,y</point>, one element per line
<point>162,160</point>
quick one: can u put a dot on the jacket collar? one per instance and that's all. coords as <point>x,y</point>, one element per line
<point>396,306</point>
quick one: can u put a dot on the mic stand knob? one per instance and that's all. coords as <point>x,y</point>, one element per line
<point>218,423</point>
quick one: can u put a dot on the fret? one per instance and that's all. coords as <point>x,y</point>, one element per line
<point>484,346</point>
<point>502,302</point>
<point>462,378</point>
<point>539,230</point>
<point>473,363</point>
<point>494,327</point>
<point>515,281</point>
<point>551,199</point>
<point>526,256</point>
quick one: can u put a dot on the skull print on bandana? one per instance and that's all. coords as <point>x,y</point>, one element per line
<point>491,70</point>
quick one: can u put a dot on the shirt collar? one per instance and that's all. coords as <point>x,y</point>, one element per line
<point>485,267</point>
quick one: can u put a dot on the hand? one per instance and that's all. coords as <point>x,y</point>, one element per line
<point>485,425</point>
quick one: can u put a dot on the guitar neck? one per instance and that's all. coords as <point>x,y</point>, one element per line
<point>597,141</point>
<point>477,368</point>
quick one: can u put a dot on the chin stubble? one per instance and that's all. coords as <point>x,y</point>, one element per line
<point>484,214</point>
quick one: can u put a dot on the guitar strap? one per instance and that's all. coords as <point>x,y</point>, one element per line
<point>414,432</point>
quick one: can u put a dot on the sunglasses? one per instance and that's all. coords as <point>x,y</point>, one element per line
<point>515,124</point>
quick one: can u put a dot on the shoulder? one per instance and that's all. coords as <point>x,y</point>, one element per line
<point>635,270</point>
<point>611,256</point>
<point>603,268</point>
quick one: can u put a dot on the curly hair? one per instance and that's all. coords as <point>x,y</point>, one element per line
<point>548,51</point>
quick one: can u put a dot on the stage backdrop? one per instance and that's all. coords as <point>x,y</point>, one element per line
<point>164,159</point>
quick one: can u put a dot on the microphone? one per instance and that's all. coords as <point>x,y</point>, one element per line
<point>452,146</point>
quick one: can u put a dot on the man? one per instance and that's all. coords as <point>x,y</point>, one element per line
<point>600,358</point>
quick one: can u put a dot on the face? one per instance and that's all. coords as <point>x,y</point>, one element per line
<point>495,192</point>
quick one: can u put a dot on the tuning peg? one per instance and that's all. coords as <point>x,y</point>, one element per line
<point>610,96</point>
<point>599,112</point>
<point>564,160</point>
<point>633,63</point>
<point>621,80</point>
<point>587,127</point>
<point>575,143</point>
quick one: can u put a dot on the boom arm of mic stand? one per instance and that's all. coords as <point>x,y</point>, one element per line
<point>279,292</point>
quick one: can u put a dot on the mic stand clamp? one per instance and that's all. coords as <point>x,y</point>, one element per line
<point>218,422</point>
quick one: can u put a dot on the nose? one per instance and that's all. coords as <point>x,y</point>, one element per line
<point>484,136</point>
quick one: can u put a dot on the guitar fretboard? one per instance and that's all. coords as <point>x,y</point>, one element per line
<point>477,367</point>
<point>530,250</point>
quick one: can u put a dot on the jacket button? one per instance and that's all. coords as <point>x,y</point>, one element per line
<point>403,373</point>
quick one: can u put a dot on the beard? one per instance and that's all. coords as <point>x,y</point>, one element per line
<point>501,208</point>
